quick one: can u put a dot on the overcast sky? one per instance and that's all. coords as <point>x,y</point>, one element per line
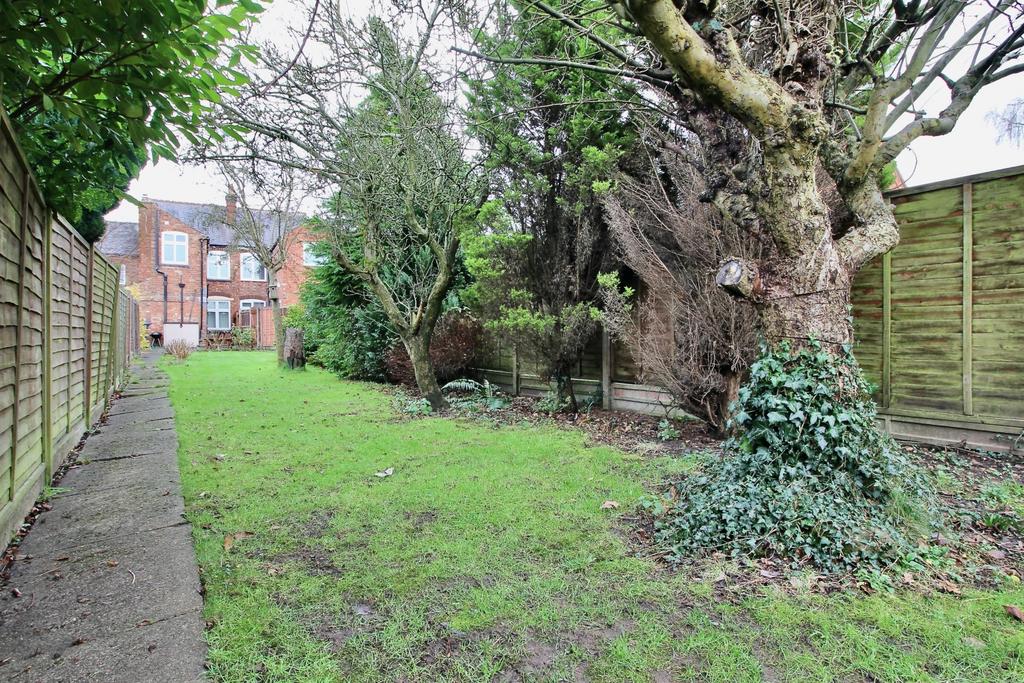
<point>970,148</point>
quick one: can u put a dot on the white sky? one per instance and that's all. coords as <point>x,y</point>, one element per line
<point>970,148</point>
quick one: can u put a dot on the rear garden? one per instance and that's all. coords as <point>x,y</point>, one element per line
<point>341,538</point>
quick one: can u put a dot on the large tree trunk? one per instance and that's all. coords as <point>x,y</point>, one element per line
<point>426,379</point>
<point>275,307</point>
<point>721,412</point>
<point>295,354</point>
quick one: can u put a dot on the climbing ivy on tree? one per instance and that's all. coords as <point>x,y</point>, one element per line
<point>92,87</point>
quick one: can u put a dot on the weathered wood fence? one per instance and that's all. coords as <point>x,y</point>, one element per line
<point>606,372</point>
<point>940,319</point>
<point>68,335</point>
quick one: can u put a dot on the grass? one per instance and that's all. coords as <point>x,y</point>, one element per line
<point>486,556</point>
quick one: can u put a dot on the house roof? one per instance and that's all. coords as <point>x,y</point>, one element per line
<point>209,220</point>
<point>120,239</point>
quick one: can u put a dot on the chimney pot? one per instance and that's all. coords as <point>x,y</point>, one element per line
<point>230,205</point>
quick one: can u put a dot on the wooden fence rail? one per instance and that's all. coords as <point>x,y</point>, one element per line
<point>68,333</point>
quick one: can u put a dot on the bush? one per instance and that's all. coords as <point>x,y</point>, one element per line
<point>243,338</point>
<point>453,348</point>
<point>809,477</point>
<point>180,349</point>
<point>351,342</point>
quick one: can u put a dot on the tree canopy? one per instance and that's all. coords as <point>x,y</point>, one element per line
<point>92,88</point>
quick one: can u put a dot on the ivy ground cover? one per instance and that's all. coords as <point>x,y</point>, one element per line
<point>339,540</point>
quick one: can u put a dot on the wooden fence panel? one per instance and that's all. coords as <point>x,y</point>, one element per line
<point>78,345</point>
<point>942,331</point>
<point>29,446</point>
<point>997,312</point>
<point>61,333</point>
<point>12,179</point>
<point>59,336</point>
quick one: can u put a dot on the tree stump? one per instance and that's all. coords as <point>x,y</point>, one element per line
<point>294,355</point>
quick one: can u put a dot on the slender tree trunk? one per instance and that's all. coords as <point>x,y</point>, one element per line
<point>730,392</point>
<point>426,379</point>
<point>275,307</point>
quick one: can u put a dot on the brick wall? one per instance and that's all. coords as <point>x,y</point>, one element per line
<point>295,273</point>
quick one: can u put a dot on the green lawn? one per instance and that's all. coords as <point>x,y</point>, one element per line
<point>487,556</point>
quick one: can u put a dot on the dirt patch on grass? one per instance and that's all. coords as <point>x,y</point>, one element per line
<point>360,619</point>
<point>317,524</point>
<point>314,560</point>
<point>421,520</point>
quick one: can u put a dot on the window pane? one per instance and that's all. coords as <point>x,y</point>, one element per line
<point>218,266</point>
<point>252,269</point>
<point>218,315</point>
<point>175,248</point>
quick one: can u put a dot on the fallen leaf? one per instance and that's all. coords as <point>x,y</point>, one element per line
<point>385,473</point>
<point>974,643</point>
<point>229,540</point>
<point>1015,612</point>
<point>947,586</point>
<point>610,505</point>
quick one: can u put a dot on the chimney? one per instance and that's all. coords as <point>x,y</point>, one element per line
<point>230,204</point>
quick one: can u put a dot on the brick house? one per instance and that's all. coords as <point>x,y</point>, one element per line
<point>191,277</point>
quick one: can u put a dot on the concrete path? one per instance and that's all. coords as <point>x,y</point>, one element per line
<point>109,589</point>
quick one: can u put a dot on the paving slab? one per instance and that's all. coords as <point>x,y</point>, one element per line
<point>106,587</point>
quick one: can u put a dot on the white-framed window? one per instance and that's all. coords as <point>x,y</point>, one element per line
<point>218,315</point>
<point>218,266</point>
<point>175,248</point>
<point>246,304</point>
<point>252,269</point>
<point>122,275</point>
<point>309,256</point>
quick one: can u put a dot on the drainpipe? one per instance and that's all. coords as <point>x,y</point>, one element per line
<point>204,251</point>
<point>156,259</point>
<point>181,303</point>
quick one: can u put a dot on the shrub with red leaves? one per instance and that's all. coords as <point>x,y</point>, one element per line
<point>453,348</point>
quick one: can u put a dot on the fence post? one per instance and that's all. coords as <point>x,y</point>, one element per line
<point>19,324</point>
<point>968,299</point>
<point>515,369</point>
<point>112,353</point>
<point>886,328</point>
<point>606,369</point>
<point>48,345</point>
<point>88,340</point>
